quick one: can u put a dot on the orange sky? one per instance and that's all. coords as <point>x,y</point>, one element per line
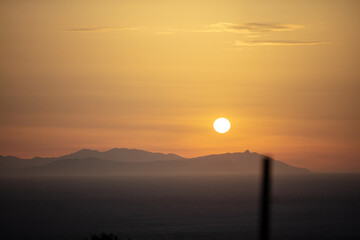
<point>154,75</point>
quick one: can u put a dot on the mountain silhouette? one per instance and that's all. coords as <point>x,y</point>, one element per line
<point>11,162</point>
<point>123,155</point>
<point>122,161</point>
<point>115,154</point>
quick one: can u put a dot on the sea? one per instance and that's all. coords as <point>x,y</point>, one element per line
<point>306,207</point>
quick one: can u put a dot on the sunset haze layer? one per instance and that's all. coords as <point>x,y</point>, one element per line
<point>155,75</point>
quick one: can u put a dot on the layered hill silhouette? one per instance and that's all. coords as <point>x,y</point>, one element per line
<point>123,155</point>
<point>122,161</point>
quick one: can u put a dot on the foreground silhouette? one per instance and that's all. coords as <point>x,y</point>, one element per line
<point>265,199</point>
<point>103,236</point>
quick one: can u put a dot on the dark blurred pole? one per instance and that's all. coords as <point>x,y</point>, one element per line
<point>265,200</point>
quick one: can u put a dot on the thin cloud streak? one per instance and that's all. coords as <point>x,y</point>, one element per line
<point>240,28</point>
<point>216,28</point>
<point>251,27</point>
<point>101,29</point>
<point>278,43</point>
<point>249,30</point>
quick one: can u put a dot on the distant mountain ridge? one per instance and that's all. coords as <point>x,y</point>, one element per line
<point>122,161</point>
<point>123,155</point>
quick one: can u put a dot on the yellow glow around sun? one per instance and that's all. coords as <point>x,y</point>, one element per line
<point>222,125</point>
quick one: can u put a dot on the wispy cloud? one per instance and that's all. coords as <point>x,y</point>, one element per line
<point>250,27</point>
<point>101,29</point>
<point>248,32</point>
<point>277,43</point>
<point>246,28</point>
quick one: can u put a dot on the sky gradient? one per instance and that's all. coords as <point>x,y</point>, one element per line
<point>154,75</point>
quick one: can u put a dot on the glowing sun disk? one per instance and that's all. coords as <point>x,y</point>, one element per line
<point>222,125</point>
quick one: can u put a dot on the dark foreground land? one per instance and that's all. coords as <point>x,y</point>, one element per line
<point>315,206</point>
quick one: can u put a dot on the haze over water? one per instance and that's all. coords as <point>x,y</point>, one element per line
<point>320,206</point>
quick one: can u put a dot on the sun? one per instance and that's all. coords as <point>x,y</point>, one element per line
<point>222,125</point>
